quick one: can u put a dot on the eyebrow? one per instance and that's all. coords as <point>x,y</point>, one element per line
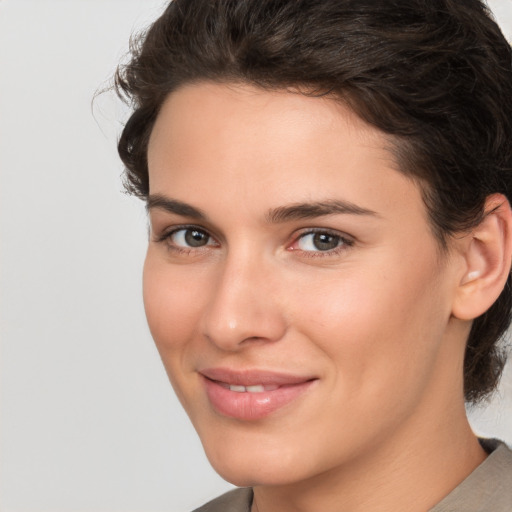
<point>277,215</point>
<point>316,209</point>
<point>158,201</point>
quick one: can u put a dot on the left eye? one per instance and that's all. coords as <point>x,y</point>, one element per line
<point>319,242</point>
<point>190,237</point>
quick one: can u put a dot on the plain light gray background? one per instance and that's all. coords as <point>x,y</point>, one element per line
<point>88,419</point>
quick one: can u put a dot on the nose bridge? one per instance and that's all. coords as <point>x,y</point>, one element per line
<point>241,306</point>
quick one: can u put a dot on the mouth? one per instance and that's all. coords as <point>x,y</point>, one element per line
<point>253,394</point>
<point>258,388</point>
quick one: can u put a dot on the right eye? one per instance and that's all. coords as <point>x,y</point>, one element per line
<point>189,238</point>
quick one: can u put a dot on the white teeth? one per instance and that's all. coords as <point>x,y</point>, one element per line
<point>255,389</point>
<point>259,388</point>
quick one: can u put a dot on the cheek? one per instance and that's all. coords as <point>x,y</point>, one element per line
<point>377,329</point>
<point>347,319</point>
<point>171,302</point>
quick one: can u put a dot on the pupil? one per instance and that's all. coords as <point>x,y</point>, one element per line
<point>324,242</point>
<point>195,238</point>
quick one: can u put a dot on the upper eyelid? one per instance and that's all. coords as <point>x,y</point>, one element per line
<point>329,231</point>
<point>305,231</point>
<point>157,216</point>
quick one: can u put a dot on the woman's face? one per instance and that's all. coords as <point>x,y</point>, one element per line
<point>292,284</point>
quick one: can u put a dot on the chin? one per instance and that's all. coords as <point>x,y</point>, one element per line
<point>248,466</point>
<point>252,474</point>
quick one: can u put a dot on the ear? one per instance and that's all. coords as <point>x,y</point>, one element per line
<point>487,253</point>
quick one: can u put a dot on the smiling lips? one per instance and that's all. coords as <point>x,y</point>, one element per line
<point>251,395</point>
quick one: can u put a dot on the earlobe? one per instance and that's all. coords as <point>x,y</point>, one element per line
<point>487,256</point>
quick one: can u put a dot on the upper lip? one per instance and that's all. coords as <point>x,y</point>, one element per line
<point>253,377</point>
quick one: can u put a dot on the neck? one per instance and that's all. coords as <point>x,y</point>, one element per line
<point>409,476</point>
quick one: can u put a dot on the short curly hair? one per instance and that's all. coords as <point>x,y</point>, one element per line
<point>436,75</point>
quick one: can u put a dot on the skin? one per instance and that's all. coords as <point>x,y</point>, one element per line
<point>380,320</point>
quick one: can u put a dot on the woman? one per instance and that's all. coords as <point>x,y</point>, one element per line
<point>328,272</point>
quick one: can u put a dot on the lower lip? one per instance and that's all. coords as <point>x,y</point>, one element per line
<point>252,406</point>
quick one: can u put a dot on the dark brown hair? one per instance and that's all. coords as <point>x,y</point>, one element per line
<point>436,75</point>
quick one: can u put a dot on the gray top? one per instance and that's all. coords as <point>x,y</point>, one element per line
<point>487,489</point>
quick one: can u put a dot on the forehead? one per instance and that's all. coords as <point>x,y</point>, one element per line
<point>224,120</point>
<point>233,141</point>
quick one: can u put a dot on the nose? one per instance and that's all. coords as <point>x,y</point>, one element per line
<point>243,306</point>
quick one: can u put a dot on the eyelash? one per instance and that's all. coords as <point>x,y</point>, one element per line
<point>344,242</point>
<point>166,237</point>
